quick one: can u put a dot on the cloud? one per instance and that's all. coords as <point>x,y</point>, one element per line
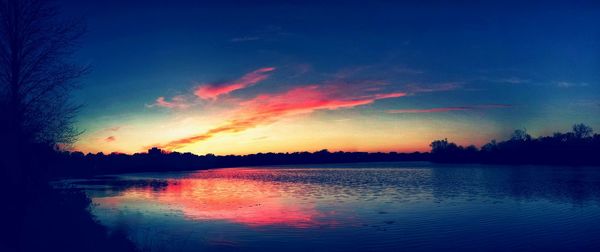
<point>110,139</point>
<point>586,103</point>
<point>406,70</point>
<point>116,128</point>
<point>514,80</point>
<point>432,110</point>
<point>567,84</point>
<point>448,109</point>
<point>301,69</point>
<point>178,102</point>
<point>212,91</point>
<point>448,86</point>
<point>268,108</point>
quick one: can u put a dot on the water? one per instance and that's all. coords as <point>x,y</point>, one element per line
<point>355,207</point>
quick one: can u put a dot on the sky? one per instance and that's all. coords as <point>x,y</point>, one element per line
<point>276,76</point>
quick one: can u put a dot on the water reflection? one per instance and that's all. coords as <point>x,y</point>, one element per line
<point>386,206</point>
<point>244,201</point>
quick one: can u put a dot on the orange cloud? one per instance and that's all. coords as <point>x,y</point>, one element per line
<point>212,91</point>
<point>447,109</point>
<point>267,108</point>
<point>110,139</point>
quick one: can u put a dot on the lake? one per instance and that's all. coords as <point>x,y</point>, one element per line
<point>354,207</point>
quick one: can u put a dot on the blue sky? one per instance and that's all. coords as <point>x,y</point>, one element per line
<point>469,71</point>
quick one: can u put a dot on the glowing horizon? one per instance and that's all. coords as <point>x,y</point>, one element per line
<point>270,116</point>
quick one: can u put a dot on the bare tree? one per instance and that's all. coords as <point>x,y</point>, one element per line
<point>36,78</point>
<point>36,75</point>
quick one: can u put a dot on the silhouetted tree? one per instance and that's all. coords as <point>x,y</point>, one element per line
<point>36,77</point>
<point>520,135</point>
<point>439,146</point>
<point>579,147</point>
<point>489,147</point>
<point>582,131</point>
<point>442,150</point>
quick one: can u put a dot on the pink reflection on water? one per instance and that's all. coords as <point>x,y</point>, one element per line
<point>229,195</point>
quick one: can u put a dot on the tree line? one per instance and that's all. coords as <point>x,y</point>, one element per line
<point>155,160</point>
<point>37,75</point>
<point>577,147</point>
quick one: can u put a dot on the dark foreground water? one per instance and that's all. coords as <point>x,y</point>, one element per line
<point>355,207</point>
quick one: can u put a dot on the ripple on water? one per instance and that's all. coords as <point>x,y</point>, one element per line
<point>355,207</point>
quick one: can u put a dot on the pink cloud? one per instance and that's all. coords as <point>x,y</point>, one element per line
<point>268,108</point>
<point>447,109</point>
<point>212,91</point>
<point>110,139</point>
<point>389,95</point>
<point>178,102</point>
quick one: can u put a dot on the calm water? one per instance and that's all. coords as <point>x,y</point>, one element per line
<point>355,207</point>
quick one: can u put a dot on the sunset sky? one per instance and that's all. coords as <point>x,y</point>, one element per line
<point>191,76</point>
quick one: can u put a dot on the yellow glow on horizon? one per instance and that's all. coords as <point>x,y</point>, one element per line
<point>290,134</point>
